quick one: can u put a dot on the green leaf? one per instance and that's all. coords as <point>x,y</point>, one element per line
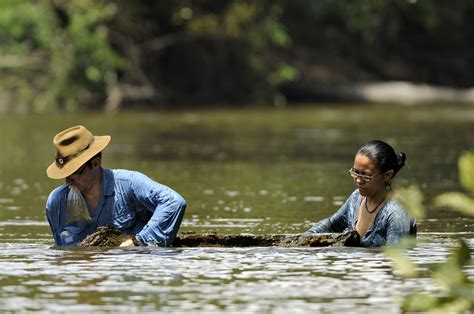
<point>465,291</point>
<point>412,199</point>
<point>449,275</point>
<point>93,74</point>
<point>452,306</point>
<point>457,201</point>
<point>402,263</point>
<point>278,34</point>
<point>420,302</point>
<point>462,255</point>
<point>466,170</point>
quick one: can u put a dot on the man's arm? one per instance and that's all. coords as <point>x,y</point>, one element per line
<point>167,206</point>
<point>53,216</point>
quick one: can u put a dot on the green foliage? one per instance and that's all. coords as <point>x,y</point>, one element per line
<point>456,200</point>
<point>412,199</point>
<point>403,264</point>
<point>63,57</point>
<point>455,287</point>
<point>258,26</point>
<point>466,171</point>
<point>60,54</point>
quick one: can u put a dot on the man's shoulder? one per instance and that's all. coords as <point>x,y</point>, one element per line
<point>60,190</point>
<point>57,194</point>
<point>123,174</point>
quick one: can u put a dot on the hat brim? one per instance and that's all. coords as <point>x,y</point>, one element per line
<point>60,172</point>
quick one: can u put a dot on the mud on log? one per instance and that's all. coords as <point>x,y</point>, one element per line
<point>107,236</point>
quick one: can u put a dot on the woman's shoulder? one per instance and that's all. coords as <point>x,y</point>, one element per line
<point>395,209</point>
<point>394,205</point>
<point>355,196</point>
<point>352,201</point>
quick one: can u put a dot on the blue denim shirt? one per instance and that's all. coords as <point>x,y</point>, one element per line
<point>130,201</point>
<point>391,223</point>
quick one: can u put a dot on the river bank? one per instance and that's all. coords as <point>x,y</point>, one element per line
<point>393,92</point>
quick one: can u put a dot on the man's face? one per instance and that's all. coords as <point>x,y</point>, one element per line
<point>84,177</point>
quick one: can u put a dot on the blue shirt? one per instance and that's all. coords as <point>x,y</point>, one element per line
<point>391,223</point>
<point>130,201</point>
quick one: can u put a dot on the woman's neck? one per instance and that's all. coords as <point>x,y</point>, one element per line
<point>377,198</point>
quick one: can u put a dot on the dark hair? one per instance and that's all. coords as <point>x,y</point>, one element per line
<point>384,156</point>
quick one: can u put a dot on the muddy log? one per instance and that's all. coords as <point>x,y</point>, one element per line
<point>107,236</point>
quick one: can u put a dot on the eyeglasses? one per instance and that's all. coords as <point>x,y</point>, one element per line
<point>79,171</point>
<point>364,178</point>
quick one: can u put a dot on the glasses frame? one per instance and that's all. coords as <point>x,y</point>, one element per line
<point>364,177</point>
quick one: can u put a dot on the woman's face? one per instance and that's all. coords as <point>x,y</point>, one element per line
<point>371,181</point>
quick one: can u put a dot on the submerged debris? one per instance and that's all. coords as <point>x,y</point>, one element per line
<point>108,236</point>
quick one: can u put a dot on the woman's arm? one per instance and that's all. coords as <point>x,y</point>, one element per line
<point>399,224</point>
<point>338,222</point>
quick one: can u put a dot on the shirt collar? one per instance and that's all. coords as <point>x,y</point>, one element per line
<point>108,178</point>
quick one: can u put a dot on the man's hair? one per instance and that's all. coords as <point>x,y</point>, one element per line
<point>98,155</point>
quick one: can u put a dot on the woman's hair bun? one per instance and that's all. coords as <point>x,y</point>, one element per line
<point>401,157</point>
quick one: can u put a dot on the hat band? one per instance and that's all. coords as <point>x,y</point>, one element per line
<point>61,161</point>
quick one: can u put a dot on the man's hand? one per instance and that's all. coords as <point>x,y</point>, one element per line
<point>128,242</point>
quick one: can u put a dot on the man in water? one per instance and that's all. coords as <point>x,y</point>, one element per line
<point>93,196</point>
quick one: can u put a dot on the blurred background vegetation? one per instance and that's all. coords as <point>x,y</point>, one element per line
<point>76,55</point>
<point>456,287</point>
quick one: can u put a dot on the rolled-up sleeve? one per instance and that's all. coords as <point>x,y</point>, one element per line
<point>167,206</point>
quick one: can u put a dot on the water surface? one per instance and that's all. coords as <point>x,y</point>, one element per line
<point>257,171</point>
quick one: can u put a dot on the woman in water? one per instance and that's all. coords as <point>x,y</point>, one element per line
<point>378,219</point>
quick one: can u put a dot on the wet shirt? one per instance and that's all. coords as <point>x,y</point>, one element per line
<point>391,223</point>
<point>129,201</point>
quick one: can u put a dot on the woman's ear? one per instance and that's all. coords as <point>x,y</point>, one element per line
<point>387,176</point>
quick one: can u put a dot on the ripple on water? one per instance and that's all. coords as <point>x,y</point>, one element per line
<point>6,200</point>
<point>313,198</point>
<point>228,279</point>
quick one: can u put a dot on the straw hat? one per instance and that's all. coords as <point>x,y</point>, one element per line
<point>74,147</point>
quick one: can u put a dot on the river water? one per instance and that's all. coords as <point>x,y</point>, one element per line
<point>241,171</point>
